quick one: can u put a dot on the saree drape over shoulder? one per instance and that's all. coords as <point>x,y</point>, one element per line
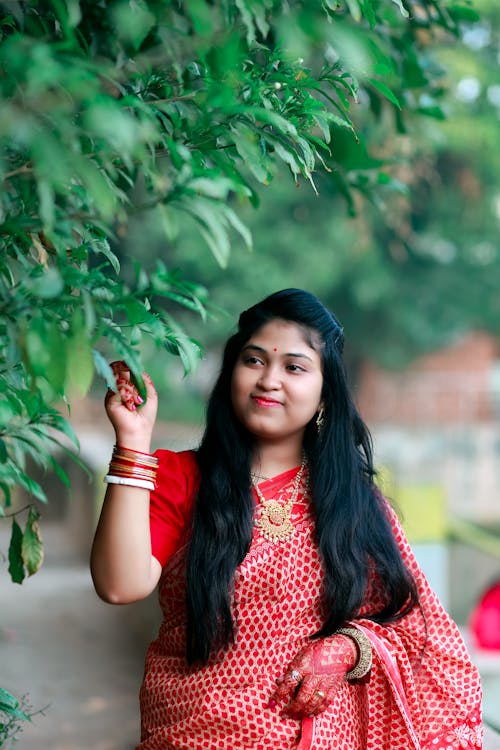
<point>423,691</point>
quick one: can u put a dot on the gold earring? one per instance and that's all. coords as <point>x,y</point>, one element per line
<point>320,418</point>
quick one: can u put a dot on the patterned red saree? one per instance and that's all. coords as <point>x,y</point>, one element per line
<point>423,691</point>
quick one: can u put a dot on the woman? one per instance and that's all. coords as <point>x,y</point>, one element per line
<point>294,612</point>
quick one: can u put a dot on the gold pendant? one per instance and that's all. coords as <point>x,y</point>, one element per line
<point>275,521</point>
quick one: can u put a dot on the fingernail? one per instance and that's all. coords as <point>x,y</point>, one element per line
<point>140,400</point>
<point>272,704</point>
<point>133,407</point>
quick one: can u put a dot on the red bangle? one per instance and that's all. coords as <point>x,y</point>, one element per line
<point>132,450</point>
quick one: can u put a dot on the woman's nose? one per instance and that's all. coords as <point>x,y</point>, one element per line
<point>269,378</point>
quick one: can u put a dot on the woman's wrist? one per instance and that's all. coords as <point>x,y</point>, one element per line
<point>140,443</point>
<point>363,646</point>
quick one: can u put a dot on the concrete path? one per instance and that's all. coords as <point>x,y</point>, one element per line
<point>78,657</point>
<point>74,655</point>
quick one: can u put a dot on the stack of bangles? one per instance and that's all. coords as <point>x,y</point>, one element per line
<point>132,468</point>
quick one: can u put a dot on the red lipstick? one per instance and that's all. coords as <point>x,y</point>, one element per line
<point>266,402</point>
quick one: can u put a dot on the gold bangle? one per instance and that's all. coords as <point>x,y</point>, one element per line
<point>131,469</point>
<point>364,649</point>
<point>128,453</point>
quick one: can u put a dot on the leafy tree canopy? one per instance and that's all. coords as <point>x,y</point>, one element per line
<point>184,110</point>
<point>419,266</point>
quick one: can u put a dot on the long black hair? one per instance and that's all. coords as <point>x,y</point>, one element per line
<point>352,527</point>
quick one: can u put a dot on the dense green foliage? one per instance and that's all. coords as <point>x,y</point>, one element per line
<point>419,265</point>
<point>185,111</point>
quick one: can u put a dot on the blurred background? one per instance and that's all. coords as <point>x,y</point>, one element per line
<point>414,277</point>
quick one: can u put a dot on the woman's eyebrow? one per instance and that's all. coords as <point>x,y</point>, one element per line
<point>255,347</point>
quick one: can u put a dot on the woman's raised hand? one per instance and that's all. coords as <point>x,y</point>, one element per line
<point>131,416</point>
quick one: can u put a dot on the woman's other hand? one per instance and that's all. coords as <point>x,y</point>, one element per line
<point>132,418</point>
<point>314,676</point>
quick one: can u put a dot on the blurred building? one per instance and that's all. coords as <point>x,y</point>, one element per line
<point>454,386</point>
<point>437,445</point>
<point>437,422</point>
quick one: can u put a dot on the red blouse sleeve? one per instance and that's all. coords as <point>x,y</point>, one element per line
<point>171,503</point>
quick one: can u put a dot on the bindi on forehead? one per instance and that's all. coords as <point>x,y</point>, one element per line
<point>275,348</point>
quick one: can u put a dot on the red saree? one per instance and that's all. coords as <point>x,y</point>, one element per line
<point>416,699</point>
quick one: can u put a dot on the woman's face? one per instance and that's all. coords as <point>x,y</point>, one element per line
<point>277,382</point>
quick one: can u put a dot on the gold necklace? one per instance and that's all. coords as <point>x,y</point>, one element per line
<point>275,520</point>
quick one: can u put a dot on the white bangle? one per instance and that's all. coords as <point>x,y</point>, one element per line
<point>129,482</point>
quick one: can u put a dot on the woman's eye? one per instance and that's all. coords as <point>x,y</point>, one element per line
<point>295,368</point>
<point>252,361</point>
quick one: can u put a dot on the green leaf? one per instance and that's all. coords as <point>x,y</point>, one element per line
<point>7,414</point>
<point>79,359</point>
<point>58,422</point>
<point>270,117</point>
<point>60,472</point>
<point>402,8</point>
<point>7,700</point>
<point>170,225</point>
<point>9,705</point>
<point>325,121</point>
<point>32,547</point>
<point>135,311</point>
<point>217,187</point>
<point>309,160</point>
<point>432,111</point>
<point>384,89</point>
<point>74,12</point>
<point>247,146</point>
<point>45,349</point>
<point>289,157</point>
<point>31,486</point>
<point>218,242</point>
<point>123,348</point>
<point>246,17</point>
<point>368,10</point>
<point>103,247</point>
<point>463,13</point>
<point>212,226</point>
<point>32,402</point>
<point>99,190</point>
<point>259,13</point>
<point>16,563</point>
<point>36,346</point>
<point>103,369</point>
<point>7,501</point>
<point>46,204</point>
<point>47,284</point>
<point>176,342</point>
<point>239,226</point>
<point>133,21</point>
<point>354,9</point>
<point>200,14</point>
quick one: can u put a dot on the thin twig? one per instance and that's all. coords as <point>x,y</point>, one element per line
<point>20,170</point>
<point>16,512</point>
